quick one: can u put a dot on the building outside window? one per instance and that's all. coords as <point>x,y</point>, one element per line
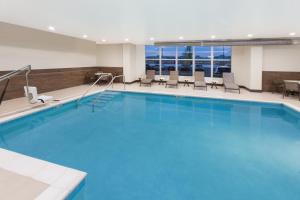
<point>203,61</point>
<point>213,60</point>
<point>168,59</point>
<point>221,60</point>
<point>153,58</point>
<point>185,60</point>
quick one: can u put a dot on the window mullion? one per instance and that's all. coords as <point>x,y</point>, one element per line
<point>160,62</point>
<point>194,62</point>
<point>211,62</point>
<point>176,59</point>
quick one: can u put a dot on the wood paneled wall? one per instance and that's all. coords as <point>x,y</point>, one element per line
<point>269,76</point>
<point>47,80</point>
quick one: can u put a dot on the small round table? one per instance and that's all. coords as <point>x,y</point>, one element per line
<point>214,84</point>
<point>161,81</point>
<point>186,82</point>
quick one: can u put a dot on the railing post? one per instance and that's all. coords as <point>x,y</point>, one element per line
<point>124,82</point>
<point>27,83</point>
<point>4,90</point>
<point>12,74</point>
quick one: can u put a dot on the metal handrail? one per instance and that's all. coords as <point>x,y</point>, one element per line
<point>10,75</point>
<point>85,93</point>
<point>110,84</point>
<point>16,72</point>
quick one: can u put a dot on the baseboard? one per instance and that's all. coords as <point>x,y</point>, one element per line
<point>135,81</point>
<point>250,90</point>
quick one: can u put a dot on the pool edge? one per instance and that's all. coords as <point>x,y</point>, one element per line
<point>62,180</point>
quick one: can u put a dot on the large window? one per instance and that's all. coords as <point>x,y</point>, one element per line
<point>168,59</point>
<point>213,60</point>
<point>153,58</point>
<point>185,60</point>
<point>203,56</point>
<point>221,60</point>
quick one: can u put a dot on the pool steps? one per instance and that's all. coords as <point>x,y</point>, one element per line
<point>102,99</point>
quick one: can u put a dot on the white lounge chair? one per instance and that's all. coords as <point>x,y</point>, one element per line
<point>33,95</point>
<point>229,83</point>
<point>200,80</point>
<point>173,79</point>
<point>150,75</point>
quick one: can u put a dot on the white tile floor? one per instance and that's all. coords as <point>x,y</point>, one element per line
<point>15,187</point>
<point>44,180</point>
<point>62,180</point>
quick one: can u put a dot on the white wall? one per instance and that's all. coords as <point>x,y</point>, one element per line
<point>21,46</point>
<point>129,56</point>
<point>241,65</point>
<point>109,55</point>
<point>282,58</point>
<point>129,62</point>
<point>140,61</point>
<point>247,64</point>
<point>256,63</point>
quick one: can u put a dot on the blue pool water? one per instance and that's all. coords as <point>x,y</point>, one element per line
<point>153,147</point>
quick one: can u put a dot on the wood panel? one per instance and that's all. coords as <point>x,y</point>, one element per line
<point>269,76</point>
<point>47,80</point>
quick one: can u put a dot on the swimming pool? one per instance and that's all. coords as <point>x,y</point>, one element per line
<point>144,146</point>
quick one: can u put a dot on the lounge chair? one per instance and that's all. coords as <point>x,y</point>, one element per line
<point>200,80</point>
<point>173,79</point>
<point>291,87</point>
<point>33,96</point>
<point>150,75</point>
<point>229,84</point>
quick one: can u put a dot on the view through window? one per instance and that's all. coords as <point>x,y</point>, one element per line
<point>213,60</point>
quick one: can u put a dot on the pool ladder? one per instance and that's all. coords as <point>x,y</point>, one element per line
<point>110,84</point>
<point>102,99</point>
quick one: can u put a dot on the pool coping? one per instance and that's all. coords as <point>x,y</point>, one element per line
<point>295,108</point>
<point>31,110</point>
<point>62,180</point>
<point>67,179</point>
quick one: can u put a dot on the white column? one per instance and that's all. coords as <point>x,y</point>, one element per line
<point>140,61</point>
<point>129,62</point>
<point>256,64</point>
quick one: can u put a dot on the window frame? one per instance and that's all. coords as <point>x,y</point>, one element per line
<point>212,59</point>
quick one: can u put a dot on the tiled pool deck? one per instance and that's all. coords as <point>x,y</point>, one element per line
<point>44,180</point>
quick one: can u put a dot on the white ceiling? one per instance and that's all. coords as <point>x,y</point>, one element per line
<point>138,20</point>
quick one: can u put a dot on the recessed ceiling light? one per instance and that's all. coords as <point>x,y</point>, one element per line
<point>84,36</point>
<point>292,34</point>
<point>51,28</point>
<point>103,40</point>
<point>126,40</point>
<point>250,35</point>
<point>181,38</point>
<point>213,37</point>
<point>152,38</point>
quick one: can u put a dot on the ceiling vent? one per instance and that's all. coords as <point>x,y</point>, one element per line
<point>248,42</point>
